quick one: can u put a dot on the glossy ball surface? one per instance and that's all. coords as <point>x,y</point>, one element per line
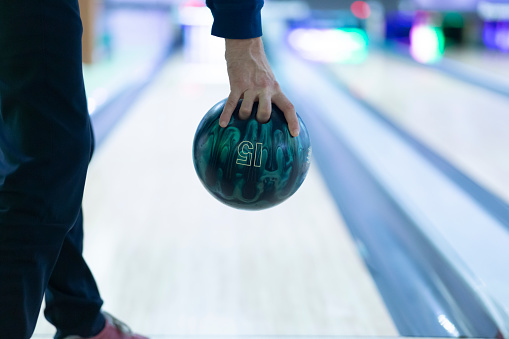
<point>249,165</point>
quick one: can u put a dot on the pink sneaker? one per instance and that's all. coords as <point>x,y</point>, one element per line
<point>114,329</point>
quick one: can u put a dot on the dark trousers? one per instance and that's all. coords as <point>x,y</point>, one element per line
<point>46,143</point>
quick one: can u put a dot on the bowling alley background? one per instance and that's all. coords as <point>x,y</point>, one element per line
<point>401,228</point>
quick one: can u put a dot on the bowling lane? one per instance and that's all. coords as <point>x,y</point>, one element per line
<point>465,124</point>
<point>169,259</point>
<point>494,63</point>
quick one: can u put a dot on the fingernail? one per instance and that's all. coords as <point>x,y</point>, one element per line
<point>223,124</point>
<point>295,132</point>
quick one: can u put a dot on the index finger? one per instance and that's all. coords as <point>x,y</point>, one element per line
<point>229,107</point>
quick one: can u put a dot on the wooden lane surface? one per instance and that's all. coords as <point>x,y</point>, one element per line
<point>463,123</point>
<point>169,259</point>
<point>494,63</point>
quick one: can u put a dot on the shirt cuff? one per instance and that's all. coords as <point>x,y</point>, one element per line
<point>237,24</point>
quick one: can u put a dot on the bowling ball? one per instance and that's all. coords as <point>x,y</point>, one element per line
<point>250,165</point>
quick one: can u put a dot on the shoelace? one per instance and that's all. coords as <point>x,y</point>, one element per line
<point>119,325</point>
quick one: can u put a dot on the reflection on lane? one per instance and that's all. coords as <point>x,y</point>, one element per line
<point>465,124</point>
<point>493,62</point>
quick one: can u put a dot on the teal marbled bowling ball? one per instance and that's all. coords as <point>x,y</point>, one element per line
<point>250,165</point>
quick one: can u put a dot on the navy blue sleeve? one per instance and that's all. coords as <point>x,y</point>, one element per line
<point>236,19</point>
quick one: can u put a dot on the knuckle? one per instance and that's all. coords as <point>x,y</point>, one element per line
<point>289,107</point>
<point>265,82</point>
<point>241,83</point>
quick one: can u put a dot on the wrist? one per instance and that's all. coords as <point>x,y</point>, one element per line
<point>253,45</point>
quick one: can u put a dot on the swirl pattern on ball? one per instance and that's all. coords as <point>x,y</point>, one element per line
<point>249,165</point>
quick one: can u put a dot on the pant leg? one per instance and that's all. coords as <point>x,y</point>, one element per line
<point>45,147</point>
<point>73,303</point>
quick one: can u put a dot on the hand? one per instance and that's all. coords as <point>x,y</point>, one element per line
<point>251,79</point>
